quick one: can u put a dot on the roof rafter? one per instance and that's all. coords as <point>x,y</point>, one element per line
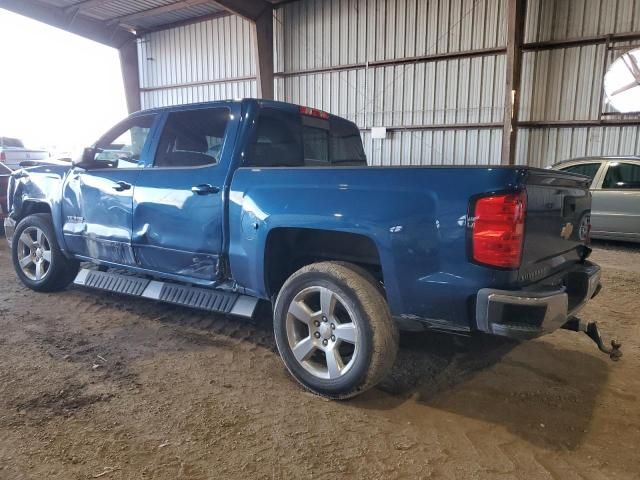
<point>96,30</point>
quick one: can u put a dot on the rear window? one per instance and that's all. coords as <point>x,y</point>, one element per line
<point>286,139</point>
<point>11,142</point>
<point>587,169</point>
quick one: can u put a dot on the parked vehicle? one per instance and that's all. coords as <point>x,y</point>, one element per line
<point>12,152</point>
<point>227,203</point>
<point>5,172</point>
<point>615,188</point>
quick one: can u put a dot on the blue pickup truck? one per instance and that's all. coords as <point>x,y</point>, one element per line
<point>222,205</point>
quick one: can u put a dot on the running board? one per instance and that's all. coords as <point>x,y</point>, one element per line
<point>195,297</point>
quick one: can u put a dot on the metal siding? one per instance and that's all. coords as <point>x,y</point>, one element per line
<point>559,20</point>
<point>561,84</point>
<point>218,50</point>
<point>546,146</point>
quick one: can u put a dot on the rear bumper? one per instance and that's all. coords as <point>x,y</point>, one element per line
<point>525,314</point>
<point>9,228</point>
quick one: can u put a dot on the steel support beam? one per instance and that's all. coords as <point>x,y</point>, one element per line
<point>515,38</point>
<point>79,24</point>
<point>130,76</point>
<point>264,53</point>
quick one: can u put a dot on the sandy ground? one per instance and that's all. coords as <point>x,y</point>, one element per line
<point>102,386</point>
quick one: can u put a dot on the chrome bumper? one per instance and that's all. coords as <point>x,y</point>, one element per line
<point>525,314</point>
<point>9,228</point>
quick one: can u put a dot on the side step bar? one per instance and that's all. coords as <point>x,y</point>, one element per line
<point>196,297</point>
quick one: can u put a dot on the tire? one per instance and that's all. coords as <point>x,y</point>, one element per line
<point>41,266</point>
<point>333,329</point>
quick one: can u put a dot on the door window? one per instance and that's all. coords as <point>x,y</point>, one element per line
<point>122,147</point>
<point>587,169</point>
<point>622,176</point>
<point>192,138</point>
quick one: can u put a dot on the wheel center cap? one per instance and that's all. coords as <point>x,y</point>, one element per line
<point>38,253</point>
<point>325,330</point>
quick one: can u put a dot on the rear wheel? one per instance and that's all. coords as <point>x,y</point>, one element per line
<point>37,258</point>
<point>333,329</point>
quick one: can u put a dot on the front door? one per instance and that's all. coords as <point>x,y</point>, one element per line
<point>178,200</point>
<point>98,199</point>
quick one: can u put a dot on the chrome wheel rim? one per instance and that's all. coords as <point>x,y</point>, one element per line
<point>322,332</point>
<point>34,253</point>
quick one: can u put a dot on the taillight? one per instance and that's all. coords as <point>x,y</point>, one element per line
<point>3,156</point>
<point>498,230</point>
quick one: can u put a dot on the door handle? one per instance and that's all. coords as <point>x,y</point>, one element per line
<point>204,189</point>
<point>121,186</point>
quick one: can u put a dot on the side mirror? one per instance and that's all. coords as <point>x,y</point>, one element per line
<point>87,157</point>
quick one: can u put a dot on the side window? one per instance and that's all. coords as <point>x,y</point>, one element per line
<point>622,176</point>
<point>192,138</point>
<point>587,169</point>
<point>122,146</point>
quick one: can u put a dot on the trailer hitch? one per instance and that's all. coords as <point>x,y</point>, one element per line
<point>593,332</point>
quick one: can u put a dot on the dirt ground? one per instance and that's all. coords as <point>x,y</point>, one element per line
<point>94,385</point>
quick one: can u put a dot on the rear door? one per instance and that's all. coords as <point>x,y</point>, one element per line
<point>616,201</point>
<point>179,197</point>
<point>557,202</point>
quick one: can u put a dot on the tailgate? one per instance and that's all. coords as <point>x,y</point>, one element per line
<point>557,203</point>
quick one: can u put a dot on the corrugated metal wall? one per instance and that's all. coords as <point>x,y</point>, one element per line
<point>211,60</point>
<point>331,54</point>
<point>566,83</point>
<point>316,34</point>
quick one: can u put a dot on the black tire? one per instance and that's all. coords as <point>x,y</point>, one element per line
<point>376,332</point>
<point>60,271</point>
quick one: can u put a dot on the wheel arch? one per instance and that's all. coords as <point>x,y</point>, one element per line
<point>287,249</point>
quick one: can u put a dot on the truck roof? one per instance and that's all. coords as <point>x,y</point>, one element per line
<point>257,101</point>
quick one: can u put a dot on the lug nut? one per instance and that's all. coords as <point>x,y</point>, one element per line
<point>317,334</point>
<point>324,342</point>
<point>333,326</point>
<point>324,319</point>
<point>316,323</point>
<point>333,338</point>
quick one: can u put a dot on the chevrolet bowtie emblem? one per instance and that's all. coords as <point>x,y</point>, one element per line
<point>566,231</point>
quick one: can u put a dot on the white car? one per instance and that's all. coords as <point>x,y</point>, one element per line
<point>12,153</point>
<point>615,186</point>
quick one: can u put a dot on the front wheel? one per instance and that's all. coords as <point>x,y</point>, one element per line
<point>37,258</point>
<point>334,330</point>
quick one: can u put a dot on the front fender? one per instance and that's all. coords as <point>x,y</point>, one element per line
<point>38,190</point>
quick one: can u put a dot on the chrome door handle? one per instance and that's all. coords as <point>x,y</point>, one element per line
<point>121,186</point>
<point>204,189</point>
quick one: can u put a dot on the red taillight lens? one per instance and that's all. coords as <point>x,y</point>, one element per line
<point>3,156</point>
<point>498,230</point>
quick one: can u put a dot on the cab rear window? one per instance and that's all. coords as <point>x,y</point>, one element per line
<point>287,139</point>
